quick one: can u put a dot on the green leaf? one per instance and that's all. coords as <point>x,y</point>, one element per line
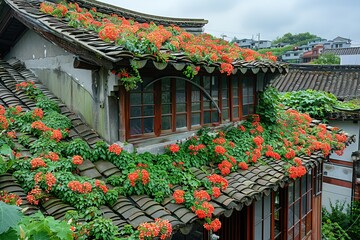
<point>9,216</point>
<point>6,150</point>
<point>10,234</point>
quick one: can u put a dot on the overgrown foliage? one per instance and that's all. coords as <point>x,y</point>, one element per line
<point>295,39</point>
<point>315,103</point>
<point>327,59</point>
<point>268,105</point>
<point>342,221</point>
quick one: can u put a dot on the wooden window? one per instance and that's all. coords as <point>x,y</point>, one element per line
<point>268,217</point>
<point>173,105</point>
<point>243,96</point>
<point>299,208</point>
<point>248,96</point>
<point>142,110</point>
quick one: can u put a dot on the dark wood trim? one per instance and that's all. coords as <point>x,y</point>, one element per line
<point>231,100</point>
<point>124,113</point>
<point>337,182</point>
<point>157,109</point>
<point>340,162</point>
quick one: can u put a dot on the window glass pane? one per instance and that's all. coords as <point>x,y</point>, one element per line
<point>148,110</point>
<point>207,105</point>
<point>290,235</point>
<point>291,216</point>
<point>166,85</point>
<point>180,121</point>
<point>206,82</point>
<point>165,97</point>
<point>304,207</point>
<point>224,102</point>
<point>135,126</point>
<point>135,111</point>
<point>235,112</point>
<point>258,211</point>
<point>245,110</point>
<point>267,205</point>
<point>207,117</point>
<point>303,185</point>
<point>309,201</point>
<point>180,85</point>
<point>297,231</point>
<point>215,116</point>
<point>245,100</point>
<point>181,107</point>
<point>251,108</point>
<point>148,98</point>
<point>148,125</point>
<point>166,122</point>
<point>180,97</point>
<point>195,95</point>
<point>166,108</point>
<point>225,114</point>
<point>235,91</point>
<point>195,106</point>
<point>297,211</point>
<point>291,192</point>
<point>195,119</point>
<point>309,178</point>
<point>297,189</point>
<point>303,228</point>
<point>267,225</point>
<point>258,231</point>
<point>236,101</point>
<point>135,98</point>
<point>251,99</point>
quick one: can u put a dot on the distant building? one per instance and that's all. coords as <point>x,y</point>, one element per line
<point>348,56</point>
<point>312,54</point>
<point>293,56</point>
<point>253,44</point>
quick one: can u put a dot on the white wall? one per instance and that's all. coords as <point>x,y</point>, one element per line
<point>349,59</point>
<point>332,193</point>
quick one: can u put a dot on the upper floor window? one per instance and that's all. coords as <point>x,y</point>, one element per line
<point>173,104</point>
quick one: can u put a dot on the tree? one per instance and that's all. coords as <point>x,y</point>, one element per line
<point>327,58</point>
<point>296,39</point>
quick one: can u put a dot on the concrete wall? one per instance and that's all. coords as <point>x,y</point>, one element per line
<point>85,92</point>
<point>349,59</point>
<point>332,192</point>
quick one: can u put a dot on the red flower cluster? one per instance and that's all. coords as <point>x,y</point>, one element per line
<point>52,156</point>
<point>50,180</point>
<point>56,135</point>
<point>174,148</point>
<point>225,167</point>
<point>220,150</point>
<point>46,8</point>
<point>138,175</point>
<point>114,148</point>
<point>10,198</point>
<point>2,110</point>
<point>37,162</point>
<point>101,185</point>
<point>219,181</point>
<point>258,140</point>
<point>219,141</point>
<point>243,165</point>
<point>214,225</point>
<point>35,195</point>
<point>296,172</point>
<point>179,196</point>
<point>11,134</point>
<point>77,160</point>
<point>4,124</point>
<point>159,229</point>
<point>39,125</point>
<point>290,154</point>
<point>272,154</point>
<point>38,113</point>
<point>79,187</point>
<point>194,149</point>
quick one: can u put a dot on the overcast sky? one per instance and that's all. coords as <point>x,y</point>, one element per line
<point>270,18</point>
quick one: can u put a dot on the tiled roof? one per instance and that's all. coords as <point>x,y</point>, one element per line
<point>87,44</point>
<point>343,51</point>
<point>341,80</point>
<point>244,185</point>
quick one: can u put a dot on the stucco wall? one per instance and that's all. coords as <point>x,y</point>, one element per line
<point>84,91</point>
<point>350,59</point>
<point>332,193</point>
